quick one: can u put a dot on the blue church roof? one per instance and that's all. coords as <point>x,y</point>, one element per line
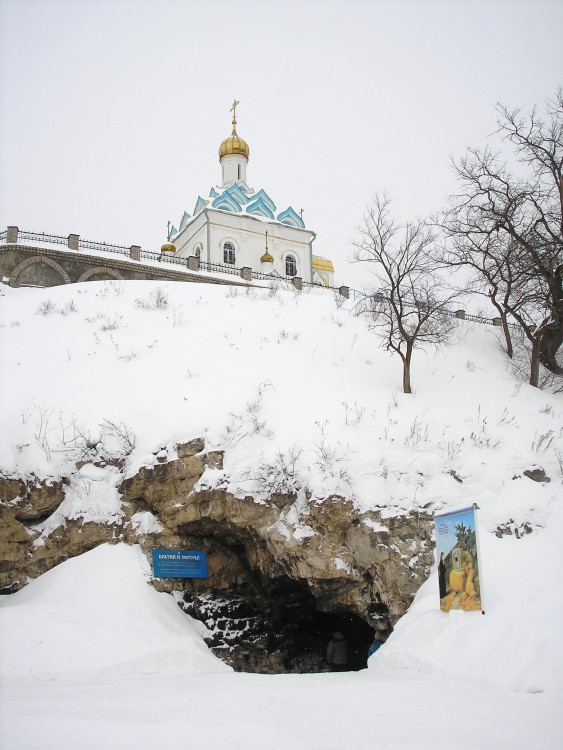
<point>235,200</point>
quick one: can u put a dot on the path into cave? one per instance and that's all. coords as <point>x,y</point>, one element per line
<point>261,622</point>
<point>276,628</point>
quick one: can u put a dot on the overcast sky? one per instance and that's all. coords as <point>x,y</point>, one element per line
<point>112,111</point>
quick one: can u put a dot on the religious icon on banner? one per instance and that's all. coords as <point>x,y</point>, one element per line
<point>459,575</point>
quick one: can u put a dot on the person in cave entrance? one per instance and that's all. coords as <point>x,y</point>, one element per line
<point>337,653</point>
<point>442,576</point>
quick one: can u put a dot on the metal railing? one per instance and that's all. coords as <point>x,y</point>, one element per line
<point>219,268</point>
<point>163,258</point>
<point>364,297</point>
<point>106,247</point>
<point>53,239</point>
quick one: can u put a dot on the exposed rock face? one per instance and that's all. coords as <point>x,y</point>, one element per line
<point>537,475</point>
<point>282,573</point>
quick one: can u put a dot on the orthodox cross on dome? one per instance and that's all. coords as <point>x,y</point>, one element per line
<point>266,258</point>
<point>301,213</point>
<point>168,231</point>
<point>233,109</point>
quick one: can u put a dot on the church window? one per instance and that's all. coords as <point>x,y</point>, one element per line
<point>239,171</point>
<point>290,266</point>
<point>229,253</point>
<point>197,251</point>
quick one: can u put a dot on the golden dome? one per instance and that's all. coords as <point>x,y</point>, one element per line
<point>168,247</point>
<point>234,145</point>
<point>266,258</point>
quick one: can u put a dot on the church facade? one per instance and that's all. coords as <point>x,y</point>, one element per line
<point>236,225</point>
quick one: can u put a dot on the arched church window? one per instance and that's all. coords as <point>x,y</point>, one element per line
<point>229,253</point>
<point>290,266</point>
<point>197,251</point>
<point>238,171</point>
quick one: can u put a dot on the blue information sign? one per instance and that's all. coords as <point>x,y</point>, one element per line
<point>179,563</point>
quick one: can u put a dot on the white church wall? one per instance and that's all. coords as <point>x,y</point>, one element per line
<point>248,235</point>
<point>195,233</point>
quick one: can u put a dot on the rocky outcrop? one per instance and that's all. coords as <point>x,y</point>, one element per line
<point>23,503</point>
<point>34,499</point>
<point>282,572</point>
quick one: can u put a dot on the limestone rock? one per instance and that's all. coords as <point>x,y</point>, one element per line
<point>537,474</point>
<point>33,499</point>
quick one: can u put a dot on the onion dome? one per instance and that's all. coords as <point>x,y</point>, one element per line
<point>266,258</point>
<point>168,247</point>
<point>234,145</point>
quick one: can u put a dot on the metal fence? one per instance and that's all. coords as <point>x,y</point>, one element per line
<point>163,258</point>
<point>53,239</point>
<point>92,245</point>
<point>219,268</point>
<point>364,297</point>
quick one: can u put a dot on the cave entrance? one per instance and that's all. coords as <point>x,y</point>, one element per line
<point>279,633</point>
<point>265,624</point>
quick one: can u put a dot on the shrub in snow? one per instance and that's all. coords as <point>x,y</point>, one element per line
<point>156,300</point>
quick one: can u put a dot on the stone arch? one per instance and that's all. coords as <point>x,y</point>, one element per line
<point>45,274</point>
<point>100,273</point>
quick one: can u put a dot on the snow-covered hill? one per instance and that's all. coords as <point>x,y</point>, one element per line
<point>266,375</point>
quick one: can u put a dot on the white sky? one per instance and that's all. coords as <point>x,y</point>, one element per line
<point>112,112</point>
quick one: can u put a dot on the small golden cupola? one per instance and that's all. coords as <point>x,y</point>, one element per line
<point>168,247</point>
<point>266,260</point>
<point>234,145</point>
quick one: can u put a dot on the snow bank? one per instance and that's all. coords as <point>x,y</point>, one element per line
<point>97,613</point>
<point>517,644</point>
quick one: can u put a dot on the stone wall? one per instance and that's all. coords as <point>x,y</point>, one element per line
<point>33,266</point>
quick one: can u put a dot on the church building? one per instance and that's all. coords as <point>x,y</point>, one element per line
<point>236,225</point>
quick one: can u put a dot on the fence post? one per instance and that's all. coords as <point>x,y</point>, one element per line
<point>297,282</point>
<point>344,291</point>
<point>73,240</point>
<point>246,273</point>
<point>193,263</point>
<point>460,314</point>
<point>497,322</point>
<point>12,235</point>
<point>135,252</point>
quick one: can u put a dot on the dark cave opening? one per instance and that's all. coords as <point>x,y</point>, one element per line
<point>283,632</point>
<point>261,620</point>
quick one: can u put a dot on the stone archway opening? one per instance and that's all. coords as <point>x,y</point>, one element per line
<point>259,618</point>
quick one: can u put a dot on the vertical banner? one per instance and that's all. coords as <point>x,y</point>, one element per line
<point>457,546</point>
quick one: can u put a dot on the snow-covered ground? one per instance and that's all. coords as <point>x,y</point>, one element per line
<point>94,658</point>
<point>91,655</point>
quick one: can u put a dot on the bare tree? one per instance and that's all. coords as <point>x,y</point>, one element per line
<point>507,224</point>
<point>409,307</point>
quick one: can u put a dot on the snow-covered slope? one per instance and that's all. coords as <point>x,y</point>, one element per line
<point>258,373</point>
